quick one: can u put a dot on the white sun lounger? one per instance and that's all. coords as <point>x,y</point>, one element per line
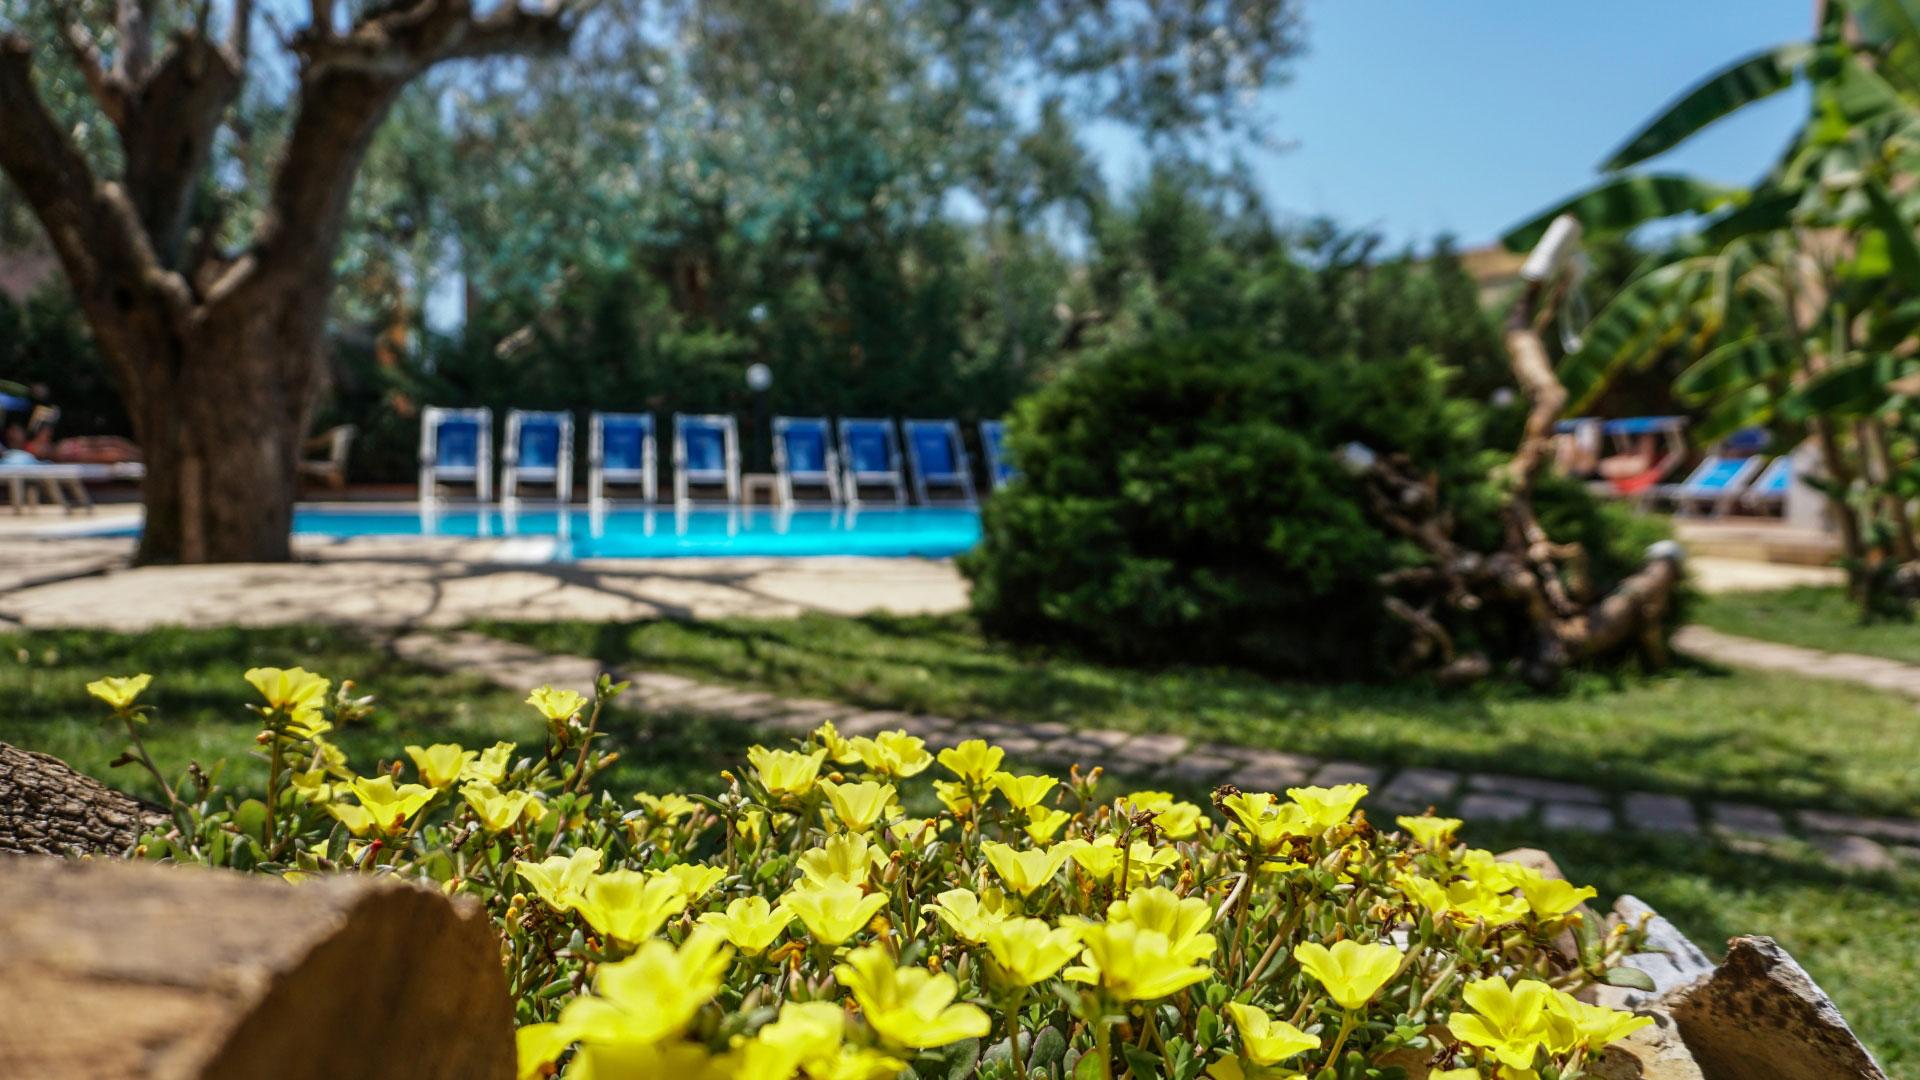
<point>539,450</point>
<point>456,446</point>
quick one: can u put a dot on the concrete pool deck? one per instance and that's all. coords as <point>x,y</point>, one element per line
<point>50,577</point>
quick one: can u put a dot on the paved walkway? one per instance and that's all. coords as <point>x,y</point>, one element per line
<point>1875,671</point>
<point>1849,842</point>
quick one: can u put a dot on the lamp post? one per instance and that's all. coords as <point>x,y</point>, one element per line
<point>760,380</point>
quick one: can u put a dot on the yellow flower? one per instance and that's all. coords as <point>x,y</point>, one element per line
<point>806,1038</point>
<point>785,772</point>
<point>442,763</point>
<point>909,1007</point>
<point>310,776</point>
<point>1025,871</point>
<point>1327,806</point>
<point>973,761</point>
<point>1176,820</point>
<point>383,806</point>
<point>668,808</point>
<point>914,832</point>
<point>499,812</point>
<point>630,906</point>
<point>1023,792</point>
<point>1027,951</point>
<point>1549,897</point>
<point>1132,963</point>
<point>1264,1040</point>
<point>1511,1024</point>
<point>1432,833</point>
<point>953,795</point>
<point>846,858</point>
<point>1043,822</point>
<point>895,755</point>
<point>1264,821</point>
<point>539,1045</point>
<point>119,691</point>
<point>1352,973</point>
<point>1593,1025</point>
<point>491,765</point>
<point>1182,921</point>
<point>561,880</point>
<point>858,806</point>
<point>1482,866</point>
<point>693,880</point>
<point>1455,1074</point>
<point>295,692</point>
<point>968,915</point>
<point>750,923</point>
<point>650,995</point>
<point>1468,901</point>
<point>839,749</point>
<point>558,706</point>
<point>835,911</point>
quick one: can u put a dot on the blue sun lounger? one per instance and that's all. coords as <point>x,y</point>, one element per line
<point>620,450</point>
<point>706,452</point>
<point>870,456</point>
<point>803,456</point>
<point>1716,483</point>
<point>456,447</point>
<point>1769,491</point>
<point>993,443</point>
<point>538,450</point>
<point>939,460</point>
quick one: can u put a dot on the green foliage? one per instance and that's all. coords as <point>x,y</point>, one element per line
<point>43,341</point>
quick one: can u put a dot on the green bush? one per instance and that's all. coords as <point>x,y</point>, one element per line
<point>1185,500</point>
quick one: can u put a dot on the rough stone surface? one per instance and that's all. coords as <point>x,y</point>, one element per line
<point>1529,788</point>
<point>46,808</point>
<point>1417,789</point>
<point>1493,808</point>
<point>1346,772</point>
<point>1576,817</point>
<point>1273,771</point>
<point>1743,819</point>
<point>126,969</point>
<point>1656,1052</point>
<point>1671,960</point>
<point>1198,768</point>
<point>1849,852</point>
<point>1761,1015</point>
<point>1659,813</point>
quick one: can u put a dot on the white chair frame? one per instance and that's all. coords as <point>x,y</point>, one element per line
<point>432,474</point>
<point>961,460</point>
<point>598,475</point>
<point>786,478</point>
<point>730,436</point>
<point>894,477</point>
<point>992,455</point>
<point>560,474</point>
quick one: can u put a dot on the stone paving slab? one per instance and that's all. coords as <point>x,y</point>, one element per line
<point>1849,842</point>
<point>1709,644</point>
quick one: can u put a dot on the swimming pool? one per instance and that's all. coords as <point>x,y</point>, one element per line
<point>579,533</point>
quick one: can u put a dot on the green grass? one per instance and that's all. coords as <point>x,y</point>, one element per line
<point>1812,617</point>
<point>202,701</point>
<point>1854,934</point>
<point>1692,731</point>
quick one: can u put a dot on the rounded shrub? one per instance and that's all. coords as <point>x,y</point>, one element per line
<point>1190,499</point>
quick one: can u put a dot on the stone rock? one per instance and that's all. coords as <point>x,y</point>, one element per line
<point>113,969</point>
<point>1760,1014</point>
<point>1672,961</point>
<point>1651,1053</point>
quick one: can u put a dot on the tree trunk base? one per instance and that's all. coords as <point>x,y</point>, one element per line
<point>46,808</point>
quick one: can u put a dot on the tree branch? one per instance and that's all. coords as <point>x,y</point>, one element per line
<point>108,92</point>
<point>171,123</point>
<point>135,49</point>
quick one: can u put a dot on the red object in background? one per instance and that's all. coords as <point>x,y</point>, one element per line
<point>95,450</point>
<point>1639,482</point>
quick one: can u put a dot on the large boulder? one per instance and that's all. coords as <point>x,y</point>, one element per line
<point>112,969</point>
<point>1761,1014</point>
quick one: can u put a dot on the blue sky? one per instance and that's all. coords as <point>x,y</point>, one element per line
<point>1417,117</point>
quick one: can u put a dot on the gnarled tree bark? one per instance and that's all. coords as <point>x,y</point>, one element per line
<point>46,808</point>
<point>217,354</point>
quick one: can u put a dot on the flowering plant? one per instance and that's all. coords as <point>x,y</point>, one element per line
<point>869,907</point>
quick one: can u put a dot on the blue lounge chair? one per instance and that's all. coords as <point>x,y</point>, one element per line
<point>706,452</point>
<point>620,450</point>
<point>456,446</point>
<point>803,455</point>
<point>1717,482</point>
<point>993,442</point>
<point>539,450</point>
<point>939,459</point>
<point>870,453</point>
<point>1769,491</point>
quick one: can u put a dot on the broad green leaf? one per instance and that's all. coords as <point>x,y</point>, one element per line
<point>1623,202</point>
<point>1860,388</point>
<point>1632,978</point>
<point>1744,408</point>
<point>1902,252</point>
<point>1617,338</point>
<point>1894,26</point>
<point>1768,212</point>
<point>1726,91</point>
<point>1732,366</point>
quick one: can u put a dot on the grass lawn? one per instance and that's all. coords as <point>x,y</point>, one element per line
<point>1854,934</point>
<point>1813,617</point>
<point>1693,731</point>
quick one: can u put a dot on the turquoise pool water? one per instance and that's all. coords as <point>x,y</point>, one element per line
<point>932,532</point>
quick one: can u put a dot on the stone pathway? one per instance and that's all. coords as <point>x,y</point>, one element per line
<point>1875,671</point>
<point>1846,841</point>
